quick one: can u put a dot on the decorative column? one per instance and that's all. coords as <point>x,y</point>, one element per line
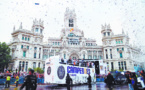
<point>54,52</point>
<point>92,54</point>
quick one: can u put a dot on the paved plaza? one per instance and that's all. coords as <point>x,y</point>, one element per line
<point>97,86</point>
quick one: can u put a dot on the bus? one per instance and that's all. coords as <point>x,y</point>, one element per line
<point>56,72</point>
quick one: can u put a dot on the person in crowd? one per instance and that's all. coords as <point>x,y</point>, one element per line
<point>30,81</point>
<point>134,81</point>
<point>82,63</point>
<point>68,80</point>
<point>74,62</point>
<point>17,80</point>
<point>36,78</point>
<point>78,62</point>
<point>8,79</point>
<point>62,61</point>
<point>69,61</point>
<point>143,74</point>
<point>90,65</point>
<point>128,76</point>
<point>89,81</point>
<point>110,79</point>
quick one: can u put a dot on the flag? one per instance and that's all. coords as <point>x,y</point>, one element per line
<point>71,30</point>
<point>36,3</point>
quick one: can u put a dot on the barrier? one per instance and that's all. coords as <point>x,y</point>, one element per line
<point>2,81</point>
<point>100,79</point>
<point>40,80</point>
<point>21,80</point>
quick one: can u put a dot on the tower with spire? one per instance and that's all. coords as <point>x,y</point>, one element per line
<point>70,18</point>
<point>37,26</point>
<point>106,30</point>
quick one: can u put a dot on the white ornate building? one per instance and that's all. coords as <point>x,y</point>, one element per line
<point>29,51</point>
<point>117,52</point>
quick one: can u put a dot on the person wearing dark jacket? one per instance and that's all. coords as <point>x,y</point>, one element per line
<point>30,81</point>
<point>69,61</point>
<point>110,79</point>
<point>134,81</point>
<point>89,81</point>
<point>128,76</point>
<point>68,80</point>
<point>62,60</point>
<point>143,75</point>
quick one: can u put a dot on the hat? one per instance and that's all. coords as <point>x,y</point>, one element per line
<point>32,71</point>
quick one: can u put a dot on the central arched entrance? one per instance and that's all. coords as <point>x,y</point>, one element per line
<point>74,56</point>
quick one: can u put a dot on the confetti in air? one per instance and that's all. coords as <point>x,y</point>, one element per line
<point>36,3</point>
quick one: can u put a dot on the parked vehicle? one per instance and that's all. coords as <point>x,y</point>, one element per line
<point>119,78</point>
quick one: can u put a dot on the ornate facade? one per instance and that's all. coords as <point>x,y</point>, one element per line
<point>29,51</point>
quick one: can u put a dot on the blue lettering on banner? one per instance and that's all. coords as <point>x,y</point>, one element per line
<point>88,71</point>
<point>71,69</point>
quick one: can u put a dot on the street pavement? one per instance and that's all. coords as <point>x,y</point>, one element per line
<point>97,86</point>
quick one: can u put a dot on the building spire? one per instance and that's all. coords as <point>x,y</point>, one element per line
<point>122,31</point>
<point>82,34</point>
<point>126,33</point>
<point>14,28</point>
<point>20,26</point>
<point>108,27</point>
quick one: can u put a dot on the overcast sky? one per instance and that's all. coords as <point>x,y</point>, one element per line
<point>128,15</point>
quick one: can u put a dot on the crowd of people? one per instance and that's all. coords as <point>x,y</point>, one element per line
<point>131,79</point>
<point>77,62</point>
<point>17,76</point>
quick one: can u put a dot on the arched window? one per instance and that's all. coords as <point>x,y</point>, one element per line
<point>20,66</point>
<point>121,55</point>
<point>34,65</point>
<point>39,64</point>
<point>83,56</point>
<point>23,64</point>
<point>104,34</point>
<point>95,57</point>
<point>71,23</point>
<point>90,57</point>
<point>26,66</point>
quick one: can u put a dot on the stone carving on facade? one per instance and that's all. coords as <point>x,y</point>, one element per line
<point>82,34</point>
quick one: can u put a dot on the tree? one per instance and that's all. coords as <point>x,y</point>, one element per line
<point>39,70</point>
<point>121,70</point>
<point>5,57</point>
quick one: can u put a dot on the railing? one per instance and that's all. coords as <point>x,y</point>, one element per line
<point>21,81</point>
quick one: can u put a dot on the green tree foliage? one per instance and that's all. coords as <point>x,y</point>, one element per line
<point>121,70</point>
<point>5,57</point>
<point>29,69</point>
<point>38,70</point>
